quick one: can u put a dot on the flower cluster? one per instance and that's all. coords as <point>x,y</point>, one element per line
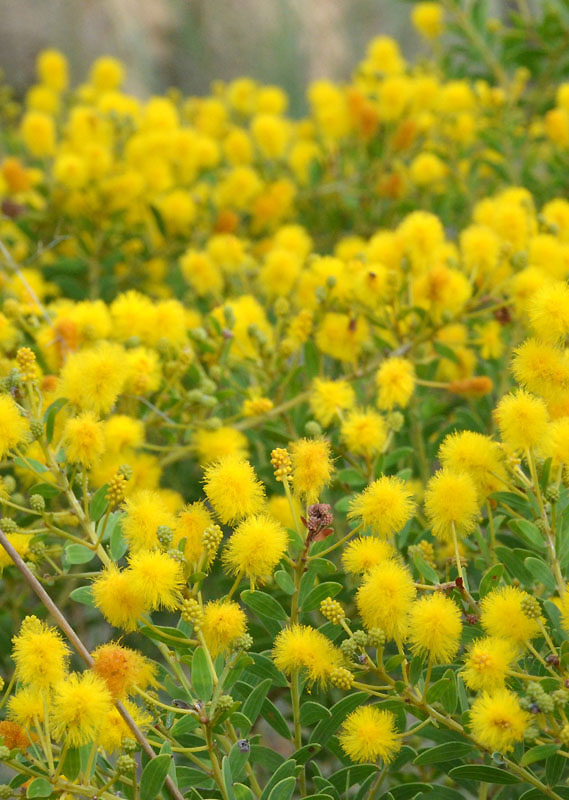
<point>284,434</point>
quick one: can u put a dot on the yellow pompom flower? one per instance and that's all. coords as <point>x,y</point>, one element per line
<point>231,486</point>
<point>557,442</point>
<point>497,720</point>
<point>117,596</point>
<point>369,734</point>
<point>190,525</point>
<point>38,133</point>
<point>157,578</point>
<point>81,703</point>
<point>122,669</point>
<point>93,379</point>
<point>26,706</point>
<point>21,544</point>
<point>502,615</point>
<point>311,467</point>
<point>223,622</point>
<point>83,439</point>
<point>549,312</point>
<point>13,426</point>
<point>364,553</point>
<point>342,336</point>
<point>255,548</point>
<point>327,398</point>
<point>51,66</point>
<point>114,729</point>
<point>384,506</point>
<point>451,501</point>
<point>477,456</point>
<point>487,662</point>
<point>364,432</point>
<point>541,368</point>
<point>522,419</point>
<point>40,654</point>
<point>301,647</point>
<point>145,513</point>
<point>107,73</point>
<point>225,441</point>
<point>385,598</point>
<point>427,17</point>
<point>395,380</point>
<point>435,627</point>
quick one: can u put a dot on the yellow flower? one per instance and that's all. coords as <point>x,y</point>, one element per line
<point>145,513</point>
<point>93,379</point>
<point>522,419</point>
<point>114,729</point>
<point>364,432</point>
<point>301,647</point>
<point>395,380</point>
<point>21,544</point>
<point>225,441</point>
<point>497,721</point>
<point>342,336</point>
<point>427,18</point>
<point>311,467</point>
<point>487,663</point>
<point>223,622</point>
<point>13,426</point>
<point>38,133</point>
<point>364,553</point>
<point>435,627</point>
<point>327,398</point>
<point>80,705</point>
<point>117,596</point>
<point>255,547</point>
<point>157,578</point>
<point>477,456</point>
<point>502,615</point>
<point>190,525</point>
<point>51,66</point>
<point>27,705</point>
<point>231,486</point>
<point>122,669</point>
<point>255,406</point>
<point>549,312</point>
<point>83,439</point>
<point>384,506</point>
<point>40,654</point>
<point>385,598</point>
<point>451,501</point>
<point>368,733</point>
<point>541,368</point>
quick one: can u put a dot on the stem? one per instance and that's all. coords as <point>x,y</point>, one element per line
<point>295,699</point>
<point>428,677</point>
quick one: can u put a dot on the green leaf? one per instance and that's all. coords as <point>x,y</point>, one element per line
<point>352,477</point>
<point>407,790</point>
<point>264,604</point>
<point>285,770</point>
<point>227,777</point>
<point>538,753</point>
<point>83,595</point>
<point>311,359</point>
<point>190,776</point>
<point>491,579</point>
<point>39,787</point>
<point>118,545</point>
<point>263,667</point>
<point>252,706</point>
<point>275,719</point>
<point>541,572</point>
<point>443,752</point>
<point>284,789</point>
<point>536,794</point>
<point>338,713</point>
<point>445,352</point>
<point>514,564</point>
<point>201,676</point>
<point>311,712</point>
<point>319,593</point>
<point>242,792</point>
<point>425,569</point>
<point>237,760</point>
<point>99,503</point>
<point>184,725</point>
<point>305,753</point>
<point>437,689</point>
<point>266,756</point>
<point>349,776</point>
<point>482,773</point>
<point>49,417</point>
<point>47,490</point>
<point>554,768</point>
<point>284,581</point>
<point>162,633</point>
<point>30,462</point>
<point>72,763</point>
<point>442,793</point>
<point>528,532</point>
<point>416,669</point>
<point>153,776</point>
<point>78,554</point>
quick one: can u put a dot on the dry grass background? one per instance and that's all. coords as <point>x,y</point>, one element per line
<point>188,43</point>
